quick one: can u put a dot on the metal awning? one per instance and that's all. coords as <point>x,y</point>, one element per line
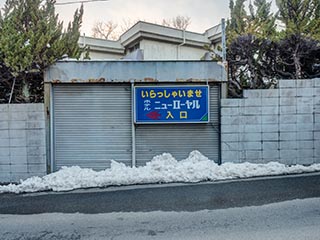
<point>135,71</point>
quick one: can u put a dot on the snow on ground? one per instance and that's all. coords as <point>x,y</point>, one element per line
<point>161,169</point>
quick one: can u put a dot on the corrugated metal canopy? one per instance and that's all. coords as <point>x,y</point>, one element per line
<point>135,71</point>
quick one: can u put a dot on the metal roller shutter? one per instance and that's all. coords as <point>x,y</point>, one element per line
<point>92,125</point>
<point>181,139</point>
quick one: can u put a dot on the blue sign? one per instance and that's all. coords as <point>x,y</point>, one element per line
<point>171,104</point>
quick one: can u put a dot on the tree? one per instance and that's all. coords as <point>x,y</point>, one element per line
<point>178,22</point>
<point>257,54</point>
<point>237,24</point>
<point>250,52</point>
<point>300,17</point>
<point>298,57</point>
<point>108,30</point>
<point>251,64</point>
<point>31,39</point>
<point>127,24</point>
<point>105,30</point>
<point>302,28</point>
<point>261,21</point>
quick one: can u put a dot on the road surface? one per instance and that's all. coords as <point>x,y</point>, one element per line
<point>294,220</point>
<point>166,197</point>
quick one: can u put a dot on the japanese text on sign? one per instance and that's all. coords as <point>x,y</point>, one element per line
<point>185,104</point>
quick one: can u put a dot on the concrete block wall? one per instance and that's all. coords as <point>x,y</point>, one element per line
<point>280,124</point>
<point>22,141</point>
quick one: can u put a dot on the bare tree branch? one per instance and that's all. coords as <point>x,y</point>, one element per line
<point>105,30</point>
<point>181,22</point>
<point>127,24</point>
<point>166,23</point>
<point>178,22</point>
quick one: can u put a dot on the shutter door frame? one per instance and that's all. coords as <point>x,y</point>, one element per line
<point>133,130</point>
<point>211,131</point>
<point>97,94</point>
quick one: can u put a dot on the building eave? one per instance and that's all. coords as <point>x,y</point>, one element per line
<point>162,33</point>
<point>73,71</point>
<point>101,45</point>
<point>143,30</point>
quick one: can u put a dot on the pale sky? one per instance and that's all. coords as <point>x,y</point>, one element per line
<point>203,13</point>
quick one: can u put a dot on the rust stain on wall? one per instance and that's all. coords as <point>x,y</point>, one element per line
<point>56,81</point>
<point>148,79</point>
<point>97,80</point>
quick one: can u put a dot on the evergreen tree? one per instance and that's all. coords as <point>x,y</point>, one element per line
<point>251,64</point>
<point>302,35</point>
<point>31,39</point>
<point>300,17</point>
<point>298,57</point>
<point>249,54</point>
<point>258,54</point>
<point>261,21</point>
<point>237,24</point>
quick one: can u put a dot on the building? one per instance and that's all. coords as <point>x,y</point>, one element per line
<point>148,41</point>
<point>98,114</point>
<point>95,107</point>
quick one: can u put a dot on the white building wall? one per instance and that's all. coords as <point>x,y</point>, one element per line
<point>155,50</point>
<point>104,55</point>
<point>190,53</point>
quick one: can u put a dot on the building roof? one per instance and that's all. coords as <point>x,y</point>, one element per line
<point>145,30</point>
<point>98,44</point>
<point>214,33</point>
<point>162,33</point>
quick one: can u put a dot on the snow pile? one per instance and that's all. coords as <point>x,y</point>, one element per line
<point>161,169</point>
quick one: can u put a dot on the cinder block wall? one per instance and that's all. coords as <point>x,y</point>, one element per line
<point>280,124</point>
<point>22,141</point>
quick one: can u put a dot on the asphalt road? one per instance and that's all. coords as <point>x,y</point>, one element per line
<point>294,220</point>
<point>166,197</point>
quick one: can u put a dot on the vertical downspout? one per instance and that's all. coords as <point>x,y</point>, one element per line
<point>181,44</point>
<point>49,121</point>
<point>133,129</point>
<point>84,45</point>
<point>52,146</point>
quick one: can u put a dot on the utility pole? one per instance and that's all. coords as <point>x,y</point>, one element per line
<point>223,40</point>
<point>224,86</point>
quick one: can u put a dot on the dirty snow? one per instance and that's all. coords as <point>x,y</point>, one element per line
<point>161,169</point>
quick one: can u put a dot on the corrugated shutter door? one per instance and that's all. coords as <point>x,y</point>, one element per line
<point>92,125</point>
<point>181,139</point>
